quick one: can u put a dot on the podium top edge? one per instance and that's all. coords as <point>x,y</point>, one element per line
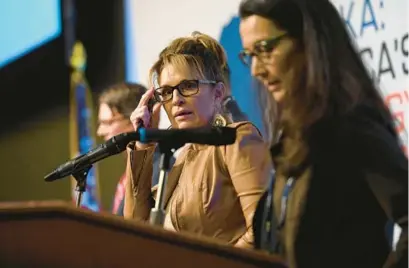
<point>63,209</point>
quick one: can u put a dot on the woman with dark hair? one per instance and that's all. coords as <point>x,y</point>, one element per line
<point>340,171</point>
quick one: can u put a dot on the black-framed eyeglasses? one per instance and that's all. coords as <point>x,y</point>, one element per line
<point>261,48</point>
<point>185,88</point>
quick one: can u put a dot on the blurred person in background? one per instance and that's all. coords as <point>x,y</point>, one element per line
<point>116,103</point>
<point>211,191</point>
<point>340,171</point>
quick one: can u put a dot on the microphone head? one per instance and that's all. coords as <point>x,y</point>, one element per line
<point>52,176</point>
<point>85,161</point>
<point>175,138</point>
<point>223,135</point>
<point>61,171</point>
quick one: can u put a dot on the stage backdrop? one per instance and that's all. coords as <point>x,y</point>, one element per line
<point>380,28</point>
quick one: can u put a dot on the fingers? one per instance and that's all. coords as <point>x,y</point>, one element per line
<point>140,114</point>
<point>156,108</point>
<point>145,97</point>
<point>155,115</point>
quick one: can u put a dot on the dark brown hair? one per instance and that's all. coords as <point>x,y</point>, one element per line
<point>122,97</point>
<point>333,80</point>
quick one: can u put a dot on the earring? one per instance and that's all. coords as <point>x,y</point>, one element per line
<point>219,121</point>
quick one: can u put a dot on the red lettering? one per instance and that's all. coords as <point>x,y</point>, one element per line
<point>394,95</point>
<point>399,99</point>
<point>406,94</point>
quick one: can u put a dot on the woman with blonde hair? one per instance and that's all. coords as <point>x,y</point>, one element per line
<point>213,191</point>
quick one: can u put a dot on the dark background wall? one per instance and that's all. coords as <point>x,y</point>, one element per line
<point>34,102</point>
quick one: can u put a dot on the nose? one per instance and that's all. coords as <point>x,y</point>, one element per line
<point>101,131</point>
<point>257,68</point>
<point>177,98</point>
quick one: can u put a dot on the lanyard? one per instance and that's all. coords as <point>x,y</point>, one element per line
<point>268,224</point>
<point>284,198</point>
<point>284,201</point>
<point>268,239</point>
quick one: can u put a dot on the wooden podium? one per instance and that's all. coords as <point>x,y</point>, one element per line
<point>56,234</point>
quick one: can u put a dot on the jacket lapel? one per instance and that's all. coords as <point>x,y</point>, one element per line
<point>172,182</point>
<point>174,175</point>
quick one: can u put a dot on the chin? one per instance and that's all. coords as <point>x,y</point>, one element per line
<point>191,123</point>
<point>185,124</point>
<point>278,96</point>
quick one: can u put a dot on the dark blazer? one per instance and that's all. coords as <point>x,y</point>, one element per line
<point>355,180</point>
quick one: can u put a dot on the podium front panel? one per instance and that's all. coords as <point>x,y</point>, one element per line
<point>59,235</point>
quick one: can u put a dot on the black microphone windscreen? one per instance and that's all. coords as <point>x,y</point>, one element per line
<point>211,136</point>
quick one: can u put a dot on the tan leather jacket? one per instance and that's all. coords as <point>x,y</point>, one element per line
<point>211,191</point>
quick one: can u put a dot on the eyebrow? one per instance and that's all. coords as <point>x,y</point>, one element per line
<point>166,85</point>
<point>280,35</point>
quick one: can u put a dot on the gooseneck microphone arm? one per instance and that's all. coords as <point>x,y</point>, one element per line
<point>166,139</point>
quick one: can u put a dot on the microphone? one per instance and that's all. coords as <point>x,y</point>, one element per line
<point>113,146</point>
<point>215,136</point>
<point>231,106</point>
<point>172,139</point>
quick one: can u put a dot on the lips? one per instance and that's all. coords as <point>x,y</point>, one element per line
<point>273,82</point>
<point>182,113</point>
<point>273,85</point>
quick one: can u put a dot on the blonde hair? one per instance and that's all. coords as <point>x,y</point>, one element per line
<point>199,54</point>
